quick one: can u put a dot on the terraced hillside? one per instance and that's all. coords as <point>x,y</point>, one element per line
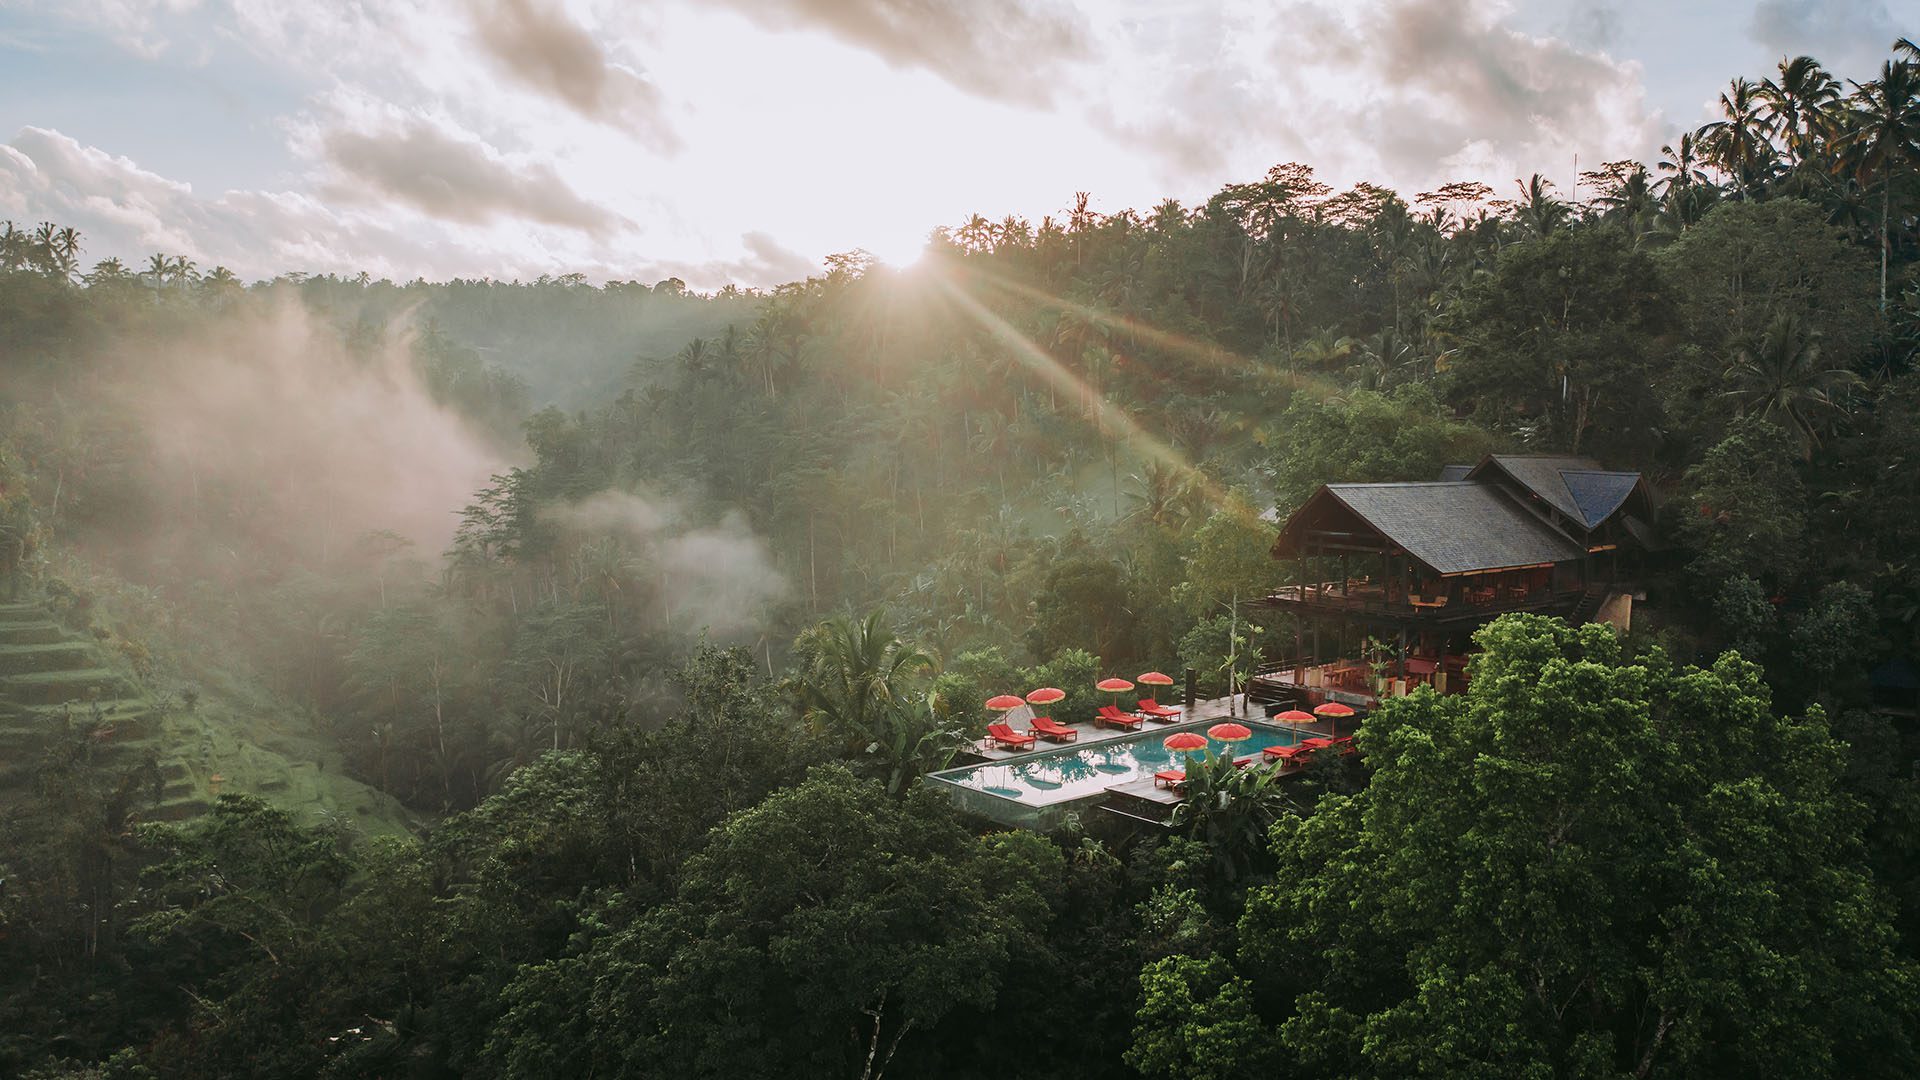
<point>62,697</point>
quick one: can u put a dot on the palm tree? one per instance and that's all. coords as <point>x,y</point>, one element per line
<point>107,271</point>
<point>1628,200</point>
<point>1779,376</point>
<point>1231,810</point>
<point>13,247</point>
<point>860,681</point>
<point>693,358</point>
<point>1164,496</point>
<point>1538,211</point>
<point>1681,163</point>
<point>1885,135</point>
<point>1797,104</point>
<point>1738,145</point>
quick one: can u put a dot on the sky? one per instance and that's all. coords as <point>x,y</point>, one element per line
<point>742,141</point>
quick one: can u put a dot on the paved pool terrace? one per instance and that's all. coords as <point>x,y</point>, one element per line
<point>1105,769</point>
<point>1212,710</point>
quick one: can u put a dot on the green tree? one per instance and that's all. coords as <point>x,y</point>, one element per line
<point>1744,508</point>
<point>818,934</point>
<point>1565,331</point>
<point>1884,136</point>
<point>1589,865</point>
<point>1747,264</point>
<point>1367,437</point>
<point>1781,377</point>
<point>1197,1021</point>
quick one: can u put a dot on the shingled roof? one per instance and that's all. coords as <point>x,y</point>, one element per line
<point>1542,476</point>
<point>1456,527</point>
<point>1598,494</point>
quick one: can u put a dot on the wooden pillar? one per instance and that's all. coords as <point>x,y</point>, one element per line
<point>1300,660</point>
<point>1403,650</point>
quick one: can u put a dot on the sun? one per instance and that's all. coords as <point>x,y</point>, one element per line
<point>899,250</point>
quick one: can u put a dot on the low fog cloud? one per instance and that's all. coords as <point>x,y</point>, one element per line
<point>268,438</point>
<point>716,578</point>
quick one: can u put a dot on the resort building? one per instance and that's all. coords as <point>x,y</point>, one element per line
<point>1392,579</point>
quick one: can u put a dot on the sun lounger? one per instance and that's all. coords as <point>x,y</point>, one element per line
<point>1174,779</point>
<point>1285,754</point>
<point>1004,735</point>
<point>1157,712</point>
<point>1111,716</point>
<point>1045,728</point>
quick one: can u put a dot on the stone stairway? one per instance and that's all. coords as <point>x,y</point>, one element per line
<point>57,685</point>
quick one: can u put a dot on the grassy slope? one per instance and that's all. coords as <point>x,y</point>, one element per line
<point>237,736</point>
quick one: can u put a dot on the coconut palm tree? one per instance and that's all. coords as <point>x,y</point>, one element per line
<point>106,272</point>
<point>860,681</point>
<point>1537,211</point>
<point>1780,376</point>
<point>1797,105</point>
<point>1885,135</point>
<point>1738,144</point>
<point>855,670</point>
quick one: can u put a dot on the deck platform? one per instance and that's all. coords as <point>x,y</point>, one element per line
<point>1208,710</point>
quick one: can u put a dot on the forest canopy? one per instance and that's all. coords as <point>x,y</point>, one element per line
<point>492,678</point>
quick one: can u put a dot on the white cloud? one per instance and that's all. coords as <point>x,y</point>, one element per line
<point>1407,93</point>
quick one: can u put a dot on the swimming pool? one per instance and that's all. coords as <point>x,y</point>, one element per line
<point>1072,773</point>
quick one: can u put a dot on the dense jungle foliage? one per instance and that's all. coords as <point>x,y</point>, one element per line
<point>647,609</point>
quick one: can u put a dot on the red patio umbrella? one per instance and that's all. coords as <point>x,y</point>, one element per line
<point>1114,686</point>
<point>1333,711</point>
<point>1229,732</point>
<point>1005,702</point>
<point>1154,678</point>
<point>1046,695</point>
<point>1185,740</point>
<point>1294,716</point>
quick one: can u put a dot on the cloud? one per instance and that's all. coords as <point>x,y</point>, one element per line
<point>764,261</point>
<point>717,578</point>
<point>455,178</point>
<point>1000,49</point>
<point>1845,35</point>
<point>545,50</point>
<point>1593,24</point>
<point>126,211</point>
<point>1409,92</point>
<point>266,399</point>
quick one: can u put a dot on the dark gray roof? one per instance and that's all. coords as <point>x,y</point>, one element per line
<point>1456,527</point>
<point>1542,476</point>
<point>1598,494</point>
<point>1455,472</point>
<point>1643,533</point>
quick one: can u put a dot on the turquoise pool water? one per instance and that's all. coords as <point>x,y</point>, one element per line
<point>1054,776</point>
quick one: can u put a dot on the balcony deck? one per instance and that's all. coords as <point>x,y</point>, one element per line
<point>1351,682</point>
<point>1466,605</point>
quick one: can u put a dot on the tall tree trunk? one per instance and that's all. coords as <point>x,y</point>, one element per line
<point>1886,237</point>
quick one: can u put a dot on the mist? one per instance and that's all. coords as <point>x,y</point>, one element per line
<point>716,578</point>
<point>264,443</point>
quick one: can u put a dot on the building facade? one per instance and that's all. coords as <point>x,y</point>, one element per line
<point>1391,580</point>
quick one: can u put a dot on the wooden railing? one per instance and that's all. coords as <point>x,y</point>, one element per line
<point>1375,600</point>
